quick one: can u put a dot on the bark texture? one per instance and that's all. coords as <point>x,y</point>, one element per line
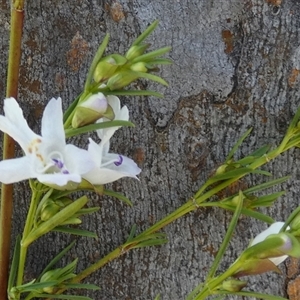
<point>236,65</point>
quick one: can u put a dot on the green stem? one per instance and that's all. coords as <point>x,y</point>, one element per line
<point>17,17</point>
<point>216,282</point>
<point>190,205</point>
<point>27,229</point>
<point>253,294</point>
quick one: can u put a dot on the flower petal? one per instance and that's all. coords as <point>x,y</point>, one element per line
<point>120,114</point>
<point>15,170</point>
<point>15,125</point>
<point>273,229</point>
<point>112,172</point>
<point>58,178</point>
<point>52,122</point>
<point>78,160</point>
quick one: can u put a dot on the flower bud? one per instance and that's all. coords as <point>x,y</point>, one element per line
<point>92,109</point>
<point>121,79</point>
<point>49,209</point>
<point>139,67</point>
<point>221,169</point>
<point>233,285</point>
<point>50,276</point>
<point>136,50</point>
<point>107,67</point>
<point>63,202</point>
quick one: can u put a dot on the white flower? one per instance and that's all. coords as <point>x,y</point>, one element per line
<point>47,157</point>
<point>120,114</point>
<point>273,229</point>
<point>109,166</point>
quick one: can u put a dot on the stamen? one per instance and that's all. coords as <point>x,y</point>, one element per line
<point>119,162</point>
<point>58,163</point>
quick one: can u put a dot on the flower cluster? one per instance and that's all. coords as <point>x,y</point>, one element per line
<point>50,160</point>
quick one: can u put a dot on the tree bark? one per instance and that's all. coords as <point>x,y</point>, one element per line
<point>236,66</point>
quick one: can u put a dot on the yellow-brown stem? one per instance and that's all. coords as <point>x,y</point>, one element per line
<point>17,17</point>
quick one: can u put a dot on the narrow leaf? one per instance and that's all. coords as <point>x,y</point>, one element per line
<point>57,219</point>
<point>85,286</point>
<point>71,108</point>
<point>266,185</point>
<point>152,77</point>
<point>237,144</point>
<point>95,61</point>
<point>134,93</point>
<point>261,151</point>
<point>56,259</point>
<point>227,238</point>
<point>230,174</point>
<point>151,55</point>
<point>146,33</point>
<point>14,264</point>
<point>92,127</point>
<point>266,200</point>
<point>252,294</point>
<point>132,233</point>
<point>118,196</point>
<point>66,297</point>
<point>36,286</point>
<point>75,231</point>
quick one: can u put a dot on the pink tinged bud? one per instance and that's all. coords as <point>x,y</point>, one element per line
<point>92,109</point>
<point>96,102</point>
<point>268,250</point>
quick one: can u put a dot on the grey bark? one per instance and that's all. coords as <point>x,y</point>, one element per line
<point>236,65</point>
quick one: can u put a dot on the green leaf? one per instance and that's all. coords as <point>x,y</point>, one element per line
<point>56,259</point>
<point>157,297</point>
<point>252,294</point>
<point>245,211</point>
<point>66,297</point>
<point>85,211</point>
<point>153,239</point>
<point>266,200</point>
<point>237,145</point>
<point>261,151</point>
<point>71,108</point>
<point>14,264</point>
<point>132,233</point>
<point>227,238</point>
<point>151,55</point>
<point>118,196</point>
<point>262,172</point>
<point>75,231</point>
<point>134,93</point>
<point>56,220</point>
<point>146,33</point>
<point>230,174</point>
<point>152,77</point>
<point>86,286</point>
<point>159,61</point>
<point>266,185</point>
<point>294,121</point>
<point>92,127</point>
<point>95,61</point>
<point>35,287</point>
